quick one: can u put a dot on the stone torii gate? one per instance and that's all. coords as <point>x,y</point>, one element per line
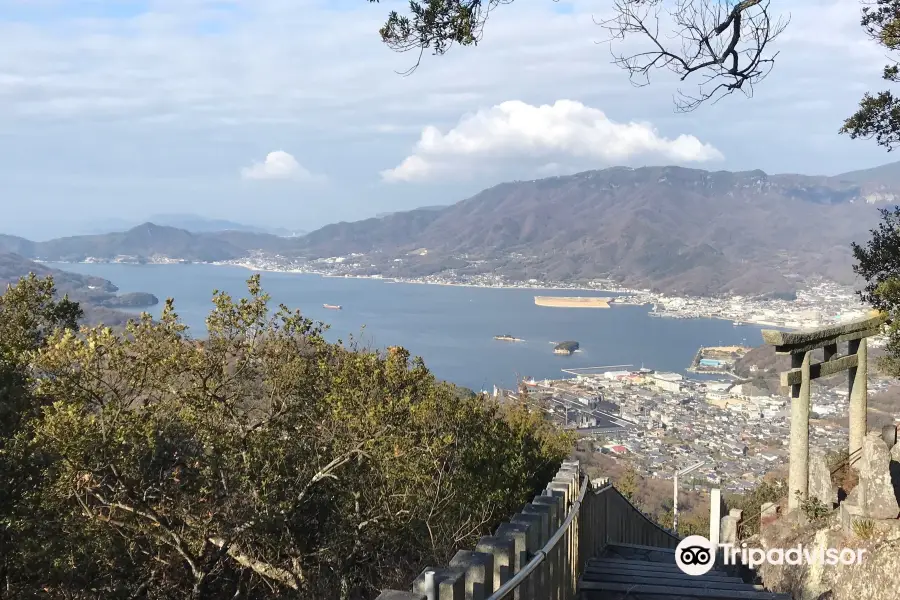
<point>800,345</point>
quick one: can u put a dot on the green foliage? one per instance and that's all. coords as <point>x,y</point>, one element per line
<point>436,25</point>
<point>813,508</point>
<point>878,263</point>
<point>879,115</point>
<point>627,483</point>
<point>260,462</point>
<point>751,503</point>
<point>29,313</point>
<point>688,524</point>
<point>864,529</point>
<point>693,525</point>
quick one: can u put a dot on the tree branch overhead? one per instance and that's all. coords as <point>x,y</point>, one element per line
<point>725,44</point>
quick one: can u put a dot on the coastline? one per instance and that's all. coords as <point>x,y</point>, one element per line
<point>637,297</point>
<point>259,269</point>
<point>621,292</point>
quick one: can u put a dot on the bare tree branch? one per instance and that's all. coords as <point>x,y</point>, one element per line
<point>282,576</point>
<point>723,42</point>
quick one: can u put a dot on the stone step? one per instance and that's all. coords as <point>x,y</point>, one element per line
<point>595,590</point>
<point>647,565</point>
<point>642,553</point>
<point>674,581</point>
<point>598,571</point>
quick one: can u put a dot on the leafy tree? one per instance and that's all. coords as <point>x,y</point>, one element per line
<point>29,312</point>
<point>259,462</point>
<point>627,483</point>
<point>879,115</point>
<point>768,490</point>
<point>878,263</point>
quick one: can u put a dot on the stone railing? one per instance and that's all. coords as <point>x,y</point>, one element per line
<point>541,551</point>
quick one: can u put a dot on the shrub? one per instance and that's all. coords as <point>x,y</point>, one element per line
<point>864,529</point>
<point>261,462</point>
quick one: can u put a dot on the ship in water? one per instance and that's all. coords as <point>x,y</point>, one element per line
<point>332,306</point>
<point>738,323</point>
<point>507,338</point>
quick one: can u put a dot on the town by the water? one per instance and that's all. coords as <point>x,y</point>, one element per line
<point>819,303</point>
<point>663,421</point>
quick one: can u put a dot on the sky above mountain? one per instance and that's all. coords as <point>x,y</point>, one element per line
<point>292,113</point>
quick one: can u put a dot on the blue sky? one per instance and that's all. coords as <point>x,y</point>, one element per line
<point>291,112</point>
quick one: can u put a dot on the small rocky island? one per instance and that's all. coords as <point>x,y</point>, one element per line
<point>507,338</point>
<point>130,300</point>
<point>566,348</point>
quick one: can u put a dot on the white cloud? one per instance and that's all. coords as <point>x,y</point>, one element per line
<point>278,165</point>
<point>181,90</point>
<point>515,130</point>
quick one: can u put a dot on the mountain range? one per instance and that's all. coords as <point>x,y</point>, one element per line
<point>668,228</point>
<point>189,222</point>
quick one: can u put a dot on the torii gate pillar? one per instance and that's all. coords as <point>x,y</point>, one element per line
<point>799,345</point>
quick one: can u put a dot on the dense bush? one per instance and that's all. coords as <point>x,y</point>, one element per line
<point>774,490</point>
<point>260,462</point>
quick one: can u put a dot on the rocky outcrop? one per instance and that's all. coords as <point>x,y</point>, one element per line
<point>875,494</point>
<point>876,576</point>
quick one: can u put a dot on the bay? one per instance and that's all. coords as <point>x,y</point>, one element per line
<point>450,327</point>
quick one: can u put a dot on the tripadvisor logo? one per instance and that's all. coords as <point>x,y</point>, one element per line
<point>696,555</point>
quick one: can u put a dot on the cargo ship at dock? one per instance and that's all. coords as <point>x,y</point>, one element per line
<point>332,306</point>
<point>572,301</point>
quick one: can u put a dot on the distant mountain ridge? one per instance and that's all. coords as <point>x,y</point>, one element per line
<point>149,241</point>
<point>193,223</point>
<point>670,228</point>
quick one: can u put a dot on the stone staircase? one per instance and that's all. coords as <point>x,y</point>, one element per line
<point>633,572</point>
<point>579,540</point>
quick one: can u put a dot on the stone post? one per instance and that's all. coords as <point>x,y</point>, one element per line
<point>479,570</point>
<point>547,514</point>
<point>441,584</point>
<point>519,534</point>
<point>858,398</point>
<point>536,540</point>
<point>715,516</point>
<point>555,558</point>
<point>798,476</point>
<point>563,491</point>
<point>503,550</point>
<point>820,479</point>
<point>395,595</point>
<point>675,503</point>
<point>730,527</point>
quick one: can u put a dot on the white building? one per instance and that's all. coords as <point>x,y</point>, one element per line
<point>613,375</point>
<point>669,382</point>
